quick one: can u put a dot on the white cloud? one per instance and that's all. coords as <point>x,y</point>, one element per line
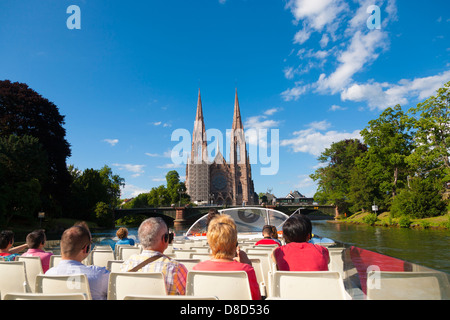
<point>313,141</point>
<point>294,93</point>
<point>170,166</point>
<point>335,107</point>
<point>384,95</point>
<point>136,169</point>
<point>112,142</point>
<point>131,191</point>
<point>256,128</point>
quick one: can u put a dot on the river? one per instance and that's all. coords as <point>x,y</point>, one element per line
<point>425,247</point>
<point>428,247</point>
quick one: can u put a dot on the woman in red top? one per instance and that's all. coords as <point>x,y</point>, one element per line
<point>298,254</point>
<point>226,256</point>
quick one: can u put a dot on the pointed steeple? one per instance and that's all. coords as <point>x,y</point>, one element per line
<point>237,121</point>
<point>199,143</point>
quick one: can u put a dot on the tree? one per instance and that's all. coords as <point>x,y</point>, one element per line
<point>24,112</point>
<point>334,178</point>
<point>390,142</point>
<point>23,170</point>
<point>432,137</point>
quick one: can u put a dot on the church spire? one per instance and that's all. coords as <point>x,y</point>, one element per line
<point>237,121</point>
<point>199,143</point>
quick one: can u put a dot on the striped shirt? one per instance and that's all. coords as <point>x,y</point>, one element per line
<point>175,273</point>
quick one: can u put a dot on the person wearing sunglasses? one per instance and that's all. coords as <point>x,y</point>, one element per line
<point>75,247</point>
<point>154,238</point>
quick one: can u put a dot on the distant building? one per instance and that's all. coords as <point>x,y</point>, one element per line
<point>219,182</point>
<point>295,198</point>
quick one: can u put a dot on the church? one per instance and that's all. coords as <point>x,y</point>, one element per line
<point>219,182</point>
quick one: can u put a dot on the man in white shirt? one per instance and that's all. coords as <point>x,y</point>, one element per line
<point>75,246</point>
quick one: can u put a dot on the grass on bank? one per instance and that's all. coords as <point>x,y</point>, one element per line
<point>384,219</point>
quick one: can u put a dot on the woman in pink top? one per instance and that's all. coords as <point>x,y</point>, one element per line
<point>298,254</point>
<point>36,242</point>
<point>222,239</point>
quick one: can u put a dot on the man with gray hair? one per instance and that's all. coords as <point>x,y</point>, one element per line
<point>154,237</point>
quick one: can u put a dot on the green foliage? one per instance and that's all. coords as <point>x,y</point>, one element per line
<point>404,221</point>
<point>91,187</point>
<point>23,171</point>
<point>131,221</point>
<point>25,112</point>
<point>103,214</point>
<point>173,194</point>
<point>421,200</point>
<point>370,219</point>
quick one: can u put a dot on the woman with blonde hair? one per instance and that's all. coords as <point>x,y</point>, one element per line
<point>226,256</point>
<point>122,234</point>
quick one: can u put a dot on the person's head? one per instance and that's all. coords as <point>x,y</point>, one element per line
<point>36,239</point>
<point>122,233</point>
<point>222,237</point>
<point>297,228</point>
<point>274,232</point>
<point>267,231</point>
<point>153,234</point>
<point>6,239</point>
<point>75,243</point>
<point>212,213</point>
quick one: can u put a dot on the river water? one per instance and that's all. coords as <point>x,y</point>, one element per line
<point>429,247</point>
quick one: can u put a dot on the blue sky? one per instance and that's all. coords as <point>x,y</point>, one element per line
<point>310,69</point>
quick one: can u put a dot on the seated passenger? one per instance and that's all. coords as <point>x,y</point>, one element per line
<point>267,233</point>
<point>226,256</point>
<point>75,247</point>
<point>298,254</point>
<point>154,237</point>
<point>6,242</point>
<point>36,242</point>
<point>122,234</point>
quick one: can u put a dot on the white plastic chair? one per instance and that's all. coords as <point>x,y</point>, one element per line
<point>188,263</point>
<point>43,296</point>
<point>74,283</point>
<point>183,254</point>
<point>122,284</point>
<point>200,256</point>
<point>308,285</point>
<point>266,266</point>
<point>33,267</point>
<point>127,252</point>
<point>102,248</point>
<point>13,277</point>
<point>170,298</point>
<point>117,249</point>
<point>54,260</point>
<point>114,265</point>
<point>384,285</point>
<point>100,258</point>
<point>225,285</point>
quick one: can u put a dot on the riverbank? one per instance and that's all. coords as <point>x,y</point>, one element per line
<point>385,220</point>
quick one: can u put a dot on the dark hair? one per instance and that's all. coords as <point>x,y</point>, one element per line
<point>267,229</point>
<point>6,236</point>
<point>212,213</point>
<point>297,228</point>
<point>35,239</point>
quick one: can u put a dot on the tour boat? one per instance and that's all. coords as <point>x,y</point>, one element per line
<point>365,274</point>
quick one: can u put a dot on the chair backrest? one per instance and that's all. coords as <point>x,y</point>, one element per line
<point>43,296</point>
<point>265,262</point>
<point>13,277</point>
<point>100,258</point>
<point>33,267</point>
<point>336,263</point>
<point>126,252</point>
<point>122,284</point>
<point>74,283</point>
<point>54,260</point>
<point>226,285</point>
<point>170,298</point>
<point>183,254</point>
<point>200,256</point>
<point>188,263</point>
<point>383,285</point>
<point>114,265</point>
<point>308,285</point>
<point>117,249</point>
<point>103,248</point>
